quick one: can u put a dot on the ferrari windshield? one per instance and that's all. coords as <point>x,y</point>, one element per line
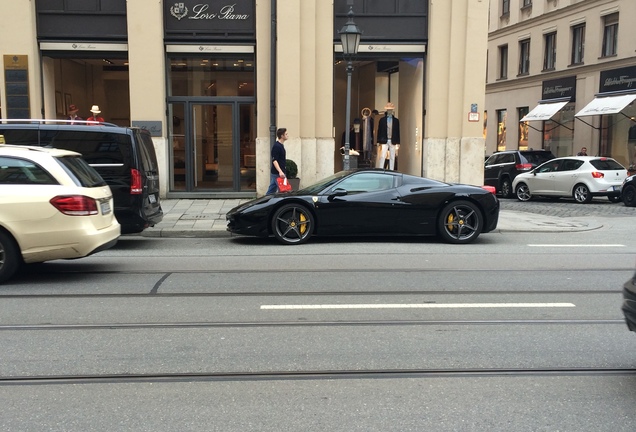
<point>316,188</point>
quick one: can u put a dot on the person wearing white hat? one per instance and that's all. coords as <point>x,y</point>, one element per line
<point>95,119</point>
<point>388,137</point>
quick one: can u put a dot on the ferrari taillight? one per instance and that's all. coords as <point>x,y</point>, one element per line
<point>135,182</point>
<point>75,205</point>
<point>597,174</point>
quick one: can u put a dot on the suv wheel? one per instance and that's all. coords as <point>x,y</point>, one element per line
<point>506,188</point>
<point>523,192</point>
<point>629,196</point>
<point>581,194</point>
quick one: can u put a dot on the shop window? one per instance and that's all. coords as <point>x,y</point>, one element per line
<point>558,133</point>
<point>549,55</point>
<point>501,129</point>
<point>523,128</point>
<point>524,57</point>
<point>503,62</point>
<point>209,76</point>
<point>610,35</point>
<point>578,44</point>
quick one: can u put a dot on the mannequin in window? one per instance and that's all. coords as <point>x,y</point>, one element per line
<point>388,137</point>
<point>72,114</point>
<point>95,119</point>
<point>367,134</point>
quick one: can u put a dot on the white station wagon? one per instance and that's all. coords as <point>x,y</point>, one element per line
<point>53,205</point>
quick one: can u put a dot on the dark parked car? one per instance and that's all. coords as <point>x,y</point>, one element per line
<point>628,191</point>
<point>501,168</point>
<point>370,202</point>
<point>124,157</point>
<point>629,303</point>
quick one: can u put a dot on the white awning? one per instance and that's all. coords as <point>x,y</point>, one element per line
<point>606,105</point>
<point>544,111</point>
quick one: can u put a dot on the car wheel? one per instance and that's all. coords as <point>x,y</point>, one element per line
<point>460,222</point>
<point>614,198</point>
<point>506,188</point>
<point>9,257</point>
<point>292,224</point>
<point>523,192</point>
<point>629,196</point>
<point>581,194</point>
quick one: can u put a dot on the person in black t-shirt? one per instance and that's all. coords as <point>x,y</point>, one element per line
<point>279,160</point>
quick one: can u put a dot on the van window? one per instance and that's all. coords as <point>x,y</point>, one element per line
<point>20,136</point>
<point>97,148</point>
<point>147,153</point>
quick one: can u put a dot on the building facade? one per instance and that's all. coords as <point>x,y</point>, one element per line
<point>213,80</point>
<point>562,76</point>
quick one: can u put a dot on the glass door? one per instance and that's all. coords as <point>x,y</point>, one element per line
<point>213,147</point>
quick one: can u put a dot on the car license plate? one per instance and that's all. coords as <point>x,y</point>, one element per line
<point>105,207</point>
<point>152,199</point>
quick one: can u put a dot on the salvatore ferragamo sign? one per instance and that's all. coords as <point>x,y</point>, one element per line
<point>210,17</point>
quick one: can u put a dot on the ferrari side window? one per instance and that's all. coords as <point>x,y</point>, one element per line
<point>366,182</point>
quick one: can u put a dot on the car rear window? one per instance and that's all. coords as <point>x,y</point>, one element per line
<point>605,164</point>
<point>81,172</point>
<point>536,158</point>
<point>15,170</point>
<point>97,148</point>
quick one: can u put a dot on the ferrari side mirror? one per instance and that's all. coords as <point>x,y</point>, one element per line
<point>336,193</point>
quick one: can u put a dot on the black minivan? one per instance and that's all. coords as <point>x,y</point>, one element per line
<point>124,157</point>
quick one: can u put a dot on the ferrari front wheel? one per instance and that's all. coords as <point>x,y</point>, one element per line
<point>460,222</point>
<point>292,224</point>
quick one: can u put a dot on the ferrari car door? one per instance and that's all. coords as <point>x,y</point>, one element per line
<point>362,203</point>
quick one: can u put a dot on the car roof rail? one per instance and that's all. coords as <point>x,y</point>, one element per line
<point>55,121</point>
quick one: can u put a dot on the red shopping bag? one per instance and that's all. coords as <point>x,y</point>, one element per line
<point>283,184</point>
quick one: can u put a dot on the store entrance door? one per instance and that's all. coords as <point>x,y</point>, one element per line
<point>212,147</point>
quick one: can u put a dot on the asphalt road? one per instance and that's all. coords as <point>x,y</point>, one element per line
<point>518,331</point>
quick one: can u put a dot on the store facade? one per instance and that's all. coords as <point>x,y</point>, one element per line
<point>213,80</point>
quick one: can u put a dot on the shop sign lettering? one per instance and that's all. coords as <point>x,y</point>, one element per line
<point>202,11</point>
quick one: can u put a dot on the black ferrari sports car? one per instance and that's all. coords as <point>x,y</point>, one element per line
<point>629,303</point>
<point>370,202</point>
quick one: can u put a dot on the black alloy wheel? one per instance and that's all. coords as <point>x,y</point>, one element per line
<point>292,224</point>
<point>10,258</point>
<point>523,192</point>
<point>506,188</point>
<point>460,222</point>
<point>628,195</point>
<point>581,194</point>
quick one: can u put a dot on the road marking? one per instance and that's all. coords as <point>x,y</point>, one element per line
<point>576,245</point>
<point>421,306</point>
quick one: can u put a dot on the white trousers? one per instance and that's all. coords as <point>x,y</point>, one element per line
<point>382,148</point>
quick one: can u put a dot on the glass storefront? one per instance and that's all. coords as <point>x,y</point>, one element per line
<point>558,133</point>
<point>211,104</point>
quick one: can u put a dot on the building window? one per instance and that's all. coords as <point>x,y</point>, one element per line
<point>505,7</point>
<point>501,129</point>
<point>578,44</point>
<point>523,128</point>
<point>610,35</point>
<point>503,62</point>
<point>526,3</point>
<point>549,56</point>
<point>524,57</point>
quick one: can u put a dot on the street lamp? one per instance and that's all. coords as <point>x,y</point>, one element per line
<point>350,37</point>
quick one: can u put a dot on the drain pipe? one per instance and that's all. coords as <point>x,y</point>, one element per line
<point>272,78</point>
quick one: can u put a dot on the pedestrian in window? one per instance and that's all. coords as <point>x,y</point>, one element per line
<point>72,114</point>
<point>583,152</point>
<point>95,118</point>
<point>279,160</point>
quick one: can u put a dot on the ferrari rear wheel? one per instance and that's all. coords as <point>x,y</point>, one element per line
<point>292,224</point>
<point>9,257</point>
<point>460,222</point>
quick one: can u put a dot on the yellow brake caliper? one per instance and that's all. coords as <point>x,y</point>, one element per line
<point>450,220</point>
<point>303,226</point>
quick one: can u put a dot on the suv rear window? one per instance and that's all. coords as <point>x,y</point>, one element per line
<point>97,148</point>
<point>606,164</point>
<point>536,158</point>
<point>82,173</point>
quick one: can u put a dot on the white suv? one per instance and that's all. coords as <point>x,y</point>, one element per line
<point>53,205</point>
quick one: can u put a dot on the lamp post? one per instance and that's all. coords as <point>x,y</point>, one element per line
<point>350,37</point>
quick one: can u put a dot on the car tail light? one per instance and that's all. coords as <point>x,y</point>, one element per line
<point>490,189</point>
<point>523,167</point>
<point>597,174</point>
<point>75,205</point>
<point>135,182</point>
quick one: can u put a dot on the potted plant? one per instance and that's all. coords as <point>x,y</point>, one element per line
<point>292,174</point>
